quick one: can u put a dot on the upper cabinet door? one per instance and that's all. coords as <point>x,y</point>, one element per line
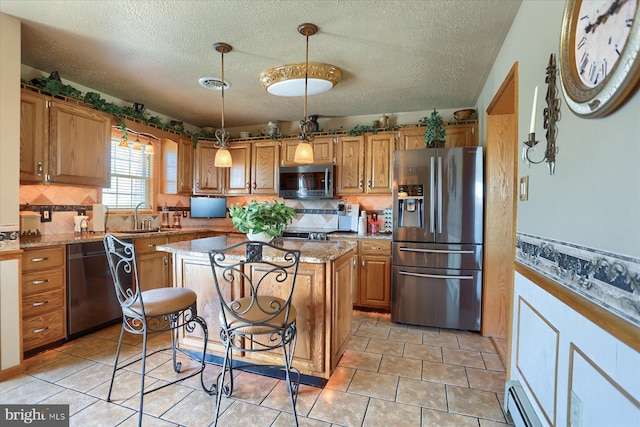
<point>411,138</point>
<point>462,135</point>
<point>33,141</point>
<point>350,165</point>
<point>208,177</point>
<point>239,174</point>
<point>80,145</point>
<point>379,148</point>
<point>185,166</point>
<point>323,149</point>
<point>265,158</point>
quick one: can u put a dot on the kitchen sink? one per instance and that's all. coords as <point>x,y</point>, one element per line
<point>152,230</point>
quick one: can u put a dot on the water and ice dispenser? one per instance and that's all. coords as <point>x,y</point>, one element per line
<point>410,205</point>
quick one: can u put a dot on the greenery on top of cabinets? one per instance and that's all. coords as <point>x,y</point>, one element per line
<point>53,86</point>
<point>435,129</point>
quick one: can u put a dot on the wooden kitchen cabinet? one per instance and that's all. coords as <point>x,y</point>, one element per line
<point>411,138</point>
<point>212,180</point>
<point>379,160</point>
<point>63,143</point>
<point>154,268</point>
<point>44,305</point>
<point>185,166</point>
<point>33,137</point>
<point>345,273</point>
<point>462,135</point>
<point>350,165</point>
<point>323,150</point>
<point>375,274</point>
<point>80,145</point>
<point>238,177</point>
<point>265,158</point>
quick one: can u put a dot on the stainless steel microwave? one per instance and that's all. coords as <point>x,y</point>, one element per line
<point>306,182</point>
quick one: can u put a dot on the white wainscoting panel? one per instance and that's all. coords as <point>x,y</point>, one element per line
<point>537,357</point>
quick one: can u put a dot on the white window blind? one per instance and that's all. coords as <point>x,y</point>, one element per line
<point>131,178</point>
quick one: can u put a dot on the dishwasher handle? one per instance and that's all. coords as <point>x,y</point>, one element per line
<point>435,251</point>
<point>435,276</point>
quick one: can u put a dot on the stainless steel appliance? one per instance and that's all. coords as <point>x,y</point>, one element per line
<point>306,182</point>
<point>91,297</point>
<point>437,237</point>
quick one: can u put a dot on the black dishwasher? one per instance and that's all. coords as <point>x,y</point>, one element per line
<point>91,297</point>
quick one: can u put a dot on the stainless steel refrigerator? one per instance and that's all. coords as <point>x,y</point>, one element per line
<point>437,237</point>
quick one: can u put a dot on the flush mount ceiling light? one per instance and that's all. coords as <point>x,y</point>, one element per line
<point>300,79</point>
<point>223,157</point>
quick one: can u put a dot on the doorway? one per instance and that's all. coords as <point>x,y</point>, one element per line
<point>501,174</point>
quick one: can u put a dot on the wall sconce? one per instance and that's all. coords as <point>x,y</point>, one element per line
<point>551,116</point>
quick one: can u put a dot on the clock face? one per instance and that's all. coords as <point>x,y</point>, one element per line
<point>602,30</point>
<point>599,54</point>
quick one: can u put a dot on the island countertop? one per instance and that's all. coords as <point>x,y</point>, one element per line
<point>311,251</point>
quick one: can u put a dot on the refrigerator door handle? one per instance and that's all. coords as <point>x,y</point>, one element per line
<point>432,194</point>
<point>434,276</point>
<point>439,194</point>
<point>435,251</point>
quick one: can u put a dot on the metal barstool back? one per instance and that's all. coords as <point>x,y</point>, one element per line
<point>150,312</point>
<point>254,283</point>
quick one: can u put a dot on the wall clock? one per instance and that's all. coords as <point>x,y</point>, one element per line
<point>599,54</point>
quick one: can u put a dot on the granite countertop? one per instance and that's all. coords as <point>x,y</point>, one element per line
<point>311,251</point>
<point>70,238</point>
<point>354,235</point>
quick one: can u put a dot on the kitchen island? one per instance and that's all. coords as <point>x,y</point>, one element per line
<point>322,297</point>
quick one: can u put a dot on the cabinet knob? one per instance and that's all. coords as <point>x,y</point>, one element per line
<point>151,245</point>
<point>39,168</point>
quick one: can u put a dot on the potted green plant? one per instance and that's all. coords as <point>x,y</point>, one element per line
<point>268,219</point>
<point>435,133</point>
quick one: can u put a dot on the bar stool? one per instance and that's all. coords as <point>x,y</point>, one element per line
<point>263,318</point>
<point>150,312</point>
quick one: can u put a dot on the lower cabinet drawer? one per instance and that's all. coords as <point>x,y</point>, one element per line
<point>34,305</point>
<point>375,247</point>
<point>39,281</point>
<point>43,329</point>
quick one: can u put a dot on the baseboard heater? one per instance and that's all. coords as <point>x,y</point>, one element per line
<point>518,406</point>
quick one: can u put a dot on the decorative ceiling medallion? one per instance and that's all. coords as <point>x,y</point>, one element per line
<point>288,79</point>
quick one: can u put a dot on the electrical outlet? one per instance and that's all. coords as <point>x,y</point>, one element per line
<point>82,211</point>
<point>184,214</point>
<point>575,408</point>
<point>45,215</point>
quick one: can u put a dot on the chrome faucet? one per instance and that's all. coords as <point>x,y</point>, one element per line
<point>135,214</point>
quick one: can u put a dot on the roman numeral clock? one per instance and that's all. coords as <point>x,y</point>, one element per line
<point>599,54</point>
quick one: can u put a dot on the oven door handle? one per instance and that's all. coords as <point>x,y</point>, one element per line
<point>435,251</point>
<point>434,276</point>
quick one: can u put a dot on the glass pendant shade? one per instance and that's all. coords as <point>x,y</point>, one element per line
<point>223,158</point>
<point>304,153</point>
<point>148,149</point>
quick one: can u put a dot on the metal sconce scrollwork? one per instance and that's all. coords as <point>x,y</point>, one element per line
<point>551,116</point>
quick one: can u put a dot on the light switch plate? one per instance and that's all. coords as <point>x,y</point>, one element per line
<point>524,188</point>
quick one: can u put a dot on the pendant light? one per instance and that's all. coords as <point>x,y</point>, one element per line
<point>223,156</point>
<point>304,150</point>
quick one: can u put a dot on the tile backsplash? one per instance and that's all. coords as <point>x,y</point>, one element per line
<point>311,213</point>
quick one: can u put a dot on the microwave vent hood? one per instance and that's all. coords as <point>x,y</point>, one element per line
<point>306,182</point>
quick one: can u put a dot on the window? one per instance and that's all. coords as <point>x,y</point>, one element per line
<point>131,175</point>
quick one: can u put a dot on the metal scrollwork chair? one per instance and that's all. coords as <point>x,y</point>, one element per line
<point>263,318</point>
<point>150,312</point>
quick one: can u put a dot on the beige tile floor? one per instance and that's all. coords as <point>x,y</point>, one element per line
<point>391,375</point>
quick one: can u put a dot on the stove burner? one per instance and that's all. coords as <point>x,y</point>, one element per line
<point>308,235</point>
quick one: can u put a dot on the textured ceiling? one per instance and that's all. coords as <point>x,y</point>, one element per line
<point>395,55</point>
